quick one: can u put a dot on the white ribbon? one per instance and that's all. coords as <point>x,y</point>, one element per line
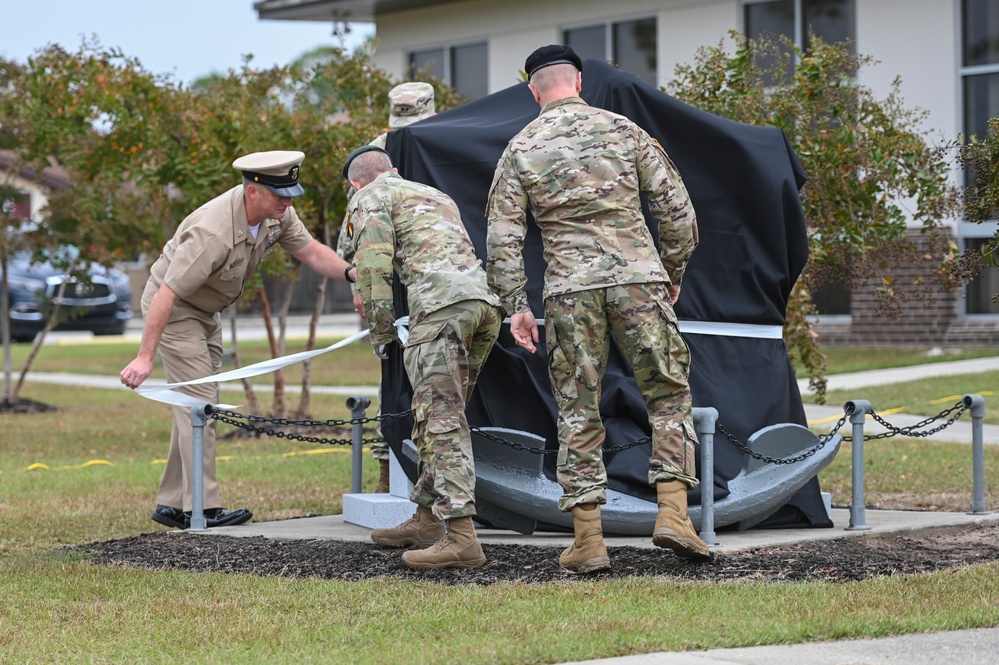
<point>402,329</point>
<point>166,394</point>
<point>731,329</point>
<point>719,328</point>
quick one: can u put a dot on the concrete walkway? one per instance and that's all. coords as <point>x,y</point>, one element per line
<point>957,647</point>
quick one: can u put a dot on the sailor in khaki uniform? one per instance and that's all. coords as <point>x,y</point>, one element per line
<point>202,270</point>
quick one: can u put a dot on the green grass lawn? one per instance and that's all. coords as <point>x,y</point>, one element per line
<point>842,360</point>
<point>926,397</point>
<point>88,472</point>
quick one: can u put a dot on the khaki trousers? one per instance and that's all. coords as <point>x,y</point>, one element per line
<point>190,348</point>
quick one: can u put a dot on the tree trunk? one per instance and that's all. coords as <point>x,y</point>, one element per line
<point>279,407</point>
<point>53,320</point>
<point>317,311</point>
<point>8,364</point>
<point>252,403</point>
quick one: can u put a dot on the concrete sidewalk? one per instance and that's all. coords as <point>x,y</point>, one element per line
<point>958,647</point>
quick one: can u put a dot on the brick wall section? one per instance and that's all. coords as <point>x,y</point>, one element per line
<point>924,322</point>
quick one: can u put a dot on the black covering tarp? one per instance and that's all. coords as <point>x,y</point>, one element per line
<point>744,183</point>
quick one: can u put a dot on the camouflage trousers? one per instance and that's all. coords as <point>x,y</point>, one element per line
<point>443,357</point>
<point>578,328</point>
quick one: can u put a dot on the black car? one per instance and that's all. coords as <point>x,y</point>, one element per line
<point>102,305</point>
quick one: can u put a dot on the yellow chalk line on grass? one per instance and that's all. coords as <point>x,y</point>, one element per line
<point>954,398</point>
<point>40,466</point>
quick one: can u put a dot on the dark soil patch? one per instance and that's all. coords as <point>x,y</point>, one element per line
<point>23,405</point>
<point>841,560</point>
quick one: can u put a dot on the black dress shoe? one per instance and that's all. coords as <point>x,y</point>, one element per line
<point>172,517</point>
<point>222,517</point>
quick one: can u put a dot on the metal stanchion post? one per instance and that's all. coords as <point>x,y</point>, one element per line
<point>858,410</point>
<point>357,405</point>
<point>704,421</point>
<point>199,418</point>
<point>976,405</point>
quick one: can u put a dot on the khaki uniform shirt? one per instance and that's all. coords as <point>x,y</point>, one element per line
<point>580,169</point>
<point>210,257</point>
<point>397,225</point>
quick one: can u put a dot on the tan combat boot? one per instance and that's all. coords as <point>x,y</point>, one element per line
<point>460,548</point>
<point>674,530</point>
<point>383,479</point>
<point>587,554</point>
<point>421,529</point>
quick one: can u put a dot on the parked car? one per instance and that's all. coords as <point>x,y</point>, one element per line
<point>102,305</point>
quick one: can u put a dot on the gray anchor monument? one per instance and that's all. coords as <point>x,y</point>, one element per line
<point>744,182</point>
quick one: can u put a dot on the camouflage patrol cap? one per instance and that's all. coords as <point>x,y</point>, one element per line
<point>553,54</point>
<point>277,170</point>
<point>411,102</point>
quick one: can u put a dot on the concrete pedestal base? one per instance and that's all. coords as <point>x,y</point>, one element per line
<point>381,511</point>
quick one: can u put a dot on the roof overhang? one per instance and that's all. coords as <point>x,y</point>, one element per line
<point>349,11</point>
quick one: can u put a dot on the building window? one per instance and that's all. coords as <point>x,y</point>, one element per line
<point>979,291</point>
<point>832,299</point>
<point>630,45</point>
<point>468,70</point>
<point>980,97</point>
<point>464,68</point>
<point>18,206</point>
<point>427,64</point>
<point>833,21</point>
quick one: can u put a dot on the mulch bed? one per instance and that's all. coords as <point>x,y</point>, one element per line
<point>840,560</point>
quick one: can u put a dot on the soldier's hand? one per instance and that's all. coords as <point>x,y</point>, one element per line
<point>674,293</point>
<point>359,305</point>
<point>524,327</point>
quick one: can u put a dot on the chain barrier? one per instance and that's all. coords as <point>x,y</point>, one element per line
<point>233,418</point>
<point>911,430</point>
<point>783,460</point>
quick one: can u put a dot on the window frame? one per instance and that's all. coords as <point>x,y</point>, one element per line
<point>608,26</point>
<point>799,19</point>
<point>447,68</point>
<point>969,231</point>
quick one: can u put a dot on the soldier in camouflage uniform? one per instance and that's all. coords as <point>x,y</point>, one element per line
<point>398,226</point>
<point>409,103</point>
<point>580,171</point>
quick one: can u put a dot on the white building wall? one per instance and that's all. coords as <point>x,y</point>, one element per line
<point>514,28</point>
<point>683,30</point>
<point>917,41</point>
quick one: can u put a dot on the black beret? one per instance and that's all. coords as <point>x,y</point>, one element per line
<point>360,151</point>
<point>553,54</point>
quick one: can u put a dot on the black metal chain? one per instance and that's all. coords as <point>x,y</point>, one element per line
<point>911,430</point>
<point>233,418</point>
<point>782,460</point>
